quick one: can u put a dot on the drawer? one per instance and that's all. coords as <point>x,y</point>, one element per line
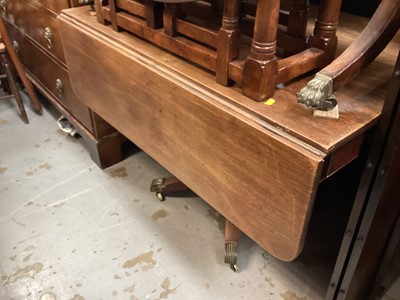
<point>51,74</point>
<point>38,23</point>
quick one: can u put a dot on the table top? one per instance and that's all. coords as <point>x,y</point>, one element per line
<point>360,101</point>
<point>258,165</point>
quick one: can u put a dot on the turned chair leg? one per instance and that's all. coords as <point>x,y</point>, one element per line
<point>260,69</point>
<point>232,234</point>
<point>169,19</point>
<point>154,14</point>
<point>298,18</point>
<point>324,35</point>
<point>5,62</point>
<point>113,15</point>
<point>18,66</point>
<point>164,186</point>
<point>217,5</point>
<point>228,41</point>
<point>297,23</point>
<point>98,5</point>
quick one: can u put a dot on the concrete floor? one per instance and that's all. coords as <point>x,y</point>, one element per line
<point>69,230</point>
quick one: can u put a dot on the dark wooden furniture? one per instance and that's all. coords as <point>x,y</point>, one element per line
<point>258,165</point>
<point>9,63</point>
<point>373,39</point>
<point>33,29</point>
<point>371,242</point>
<point>9,84</point>
<point>253,43</point>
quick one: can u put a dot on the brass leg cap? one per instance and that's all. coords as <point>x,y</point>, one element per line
<point>157,185</point>
<point>160,196</point>
<point>231,251</point>
<point>234,268</point>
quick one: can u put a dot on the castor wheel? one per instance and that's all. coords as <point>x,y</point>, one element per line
<point>160,196</point>
<point>166,186</point>
<point>157,186</point>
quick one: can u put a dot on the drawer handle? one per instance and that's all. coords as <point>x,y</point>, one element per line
<point>3,7</point>
<point>60,87</point>
<point>48,36</point>
<point>15,46</point>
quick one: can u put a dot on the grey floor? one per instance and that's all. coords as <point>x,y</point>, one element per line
<point>69,230</point>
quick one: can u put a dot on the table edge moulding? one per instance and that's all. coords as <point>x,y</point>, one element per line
<point>258,165</point>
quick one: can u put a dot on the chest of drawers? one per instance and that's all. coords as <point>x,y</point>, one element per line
<point>33,28</point>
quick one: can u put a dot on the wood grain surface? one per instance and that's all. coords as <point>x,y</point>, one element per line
<point>258,165</point>
<point>47,70</point>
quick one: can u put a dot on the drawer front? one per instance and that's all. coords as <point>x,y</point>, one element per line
<point>38,23</point>
<point>53,76</point>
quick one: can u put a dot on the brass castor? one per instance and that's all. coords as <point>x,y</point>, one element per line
<point>157,186</point>
<point>160,196</point>
<point>231,252</point>
<point>232,234</point>
<point>166,186</point>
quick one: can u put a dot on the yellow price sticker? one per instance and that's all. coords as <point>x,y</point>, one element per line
<point>269,102</point>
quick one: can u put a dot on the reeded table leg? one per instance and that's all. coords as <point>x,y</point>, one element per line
<point>232,234</point>
<point>162,186</point>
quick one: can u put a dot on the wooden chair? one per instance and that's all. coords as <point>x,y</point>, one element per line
<point>369,44</point>
<point>9,81</point>
<point>9,62</point>
<point>238,40</point>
